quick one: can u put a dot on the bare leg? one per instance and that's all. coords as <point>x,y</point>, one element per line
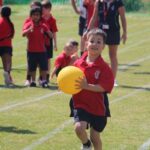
<point>95,139</point>
<point>80,129</point>
<point>113,58</point>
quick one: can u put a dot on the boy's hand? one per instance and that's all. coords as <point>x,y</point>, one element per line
<point>81,83</point>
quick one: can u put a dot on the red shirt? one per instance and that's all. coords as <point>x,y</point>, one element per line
<point>5,31</point>
<point>62,60</point>
<point>36,38</point>
<point>51,23</point>
<point>1,2</point>
<point>90,9</point>
<point>97,73</point>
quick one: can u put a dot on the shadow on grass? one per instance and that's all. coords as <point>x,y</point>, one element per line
<point>142,73</point>
<point>14,86</point>
<point>135,87</point>
<point>12,129</point>
<point>125,67</point>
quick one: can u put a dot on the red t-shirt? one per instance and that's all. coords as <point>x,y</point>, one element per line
<point>97,73</point>
<point>51,23</point>
<point>1,2</point>
<point>62,60</point>
<point>90,9</point>
<point>36,38</point>
<point>5,31</point>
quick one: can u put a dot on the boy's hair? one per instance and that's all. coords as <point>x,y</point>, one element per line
<point>36,3</point>
<point>97,31</point>
<point>74,43</point>
<point>35,9</point>
<point>46,4</point>
<point>5,11</point>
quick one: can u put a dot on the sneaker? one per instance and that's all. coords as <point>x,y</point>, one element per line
<point>27,83</point>
<point>45,84</point>
<point>115,83</point>
<point>7,78</point>
<point>32,84</point>
<point>86,148</point>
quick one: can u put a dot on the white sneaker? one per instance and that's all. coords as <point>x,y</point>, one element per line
<point>115,83</point>
<point>7,78</point>
<point>27,83</point>
<point>86,148</point>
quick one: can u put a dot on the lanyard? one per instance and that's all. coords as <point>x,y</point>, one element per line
<point>105,10</point>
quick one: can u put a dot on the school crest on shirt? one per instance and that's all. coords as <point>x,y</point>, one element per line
<point>112,8</point>
<point>96,74</point>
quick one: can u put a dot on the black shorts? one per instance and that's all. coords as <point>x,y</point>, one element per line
<point>98,123</point>
<point>5,50</point>
<point>113,38</point>
<point>106,102</point>
<point>49,49</point>
<point>82,25</point>
<point>35,59</point>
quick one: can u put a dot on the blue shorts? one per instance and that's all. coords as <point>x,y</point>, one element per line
<point>82,25</point>
<point>113,38</point>
<point>5,50</point>
<point>35,59</point>
<point>98,123</point>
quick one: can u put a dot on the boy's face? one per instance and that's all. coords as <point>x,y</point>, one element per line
<point>36,17</point>
<point>95,44</point>
<point>45,11</point>
<point>69,50</point>
<point>75,49</point>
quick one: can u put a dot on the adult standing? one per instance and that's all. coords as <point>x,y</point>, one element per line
<point>81,11</point>
<point>107,13</point>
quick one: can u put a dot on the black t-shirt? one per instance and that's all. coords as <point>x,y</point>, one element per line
<point>109,15</point>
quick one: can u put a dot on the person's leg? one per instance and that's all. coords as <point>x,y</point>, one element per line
<point>95,139</point>
<point>80,129</point>
<point>7,63</point>
<point>113,58</point>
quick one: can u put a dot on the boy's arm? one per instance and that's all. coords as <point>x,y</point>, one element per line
<point>73,2</point>
<point>82,84</point>
<point>53,72</point>
<point>25,32</point>
<point>55,41</point>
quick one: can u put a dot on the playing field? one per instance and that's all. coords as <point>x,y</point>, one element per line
<point>38,119</point>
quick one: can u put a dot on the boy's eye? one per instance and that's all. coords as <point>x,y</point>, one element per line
<point>98,42</point>
<point>92,41</point>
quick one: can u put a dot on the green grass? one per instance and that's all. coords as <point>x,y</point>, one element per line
<point>28,114</point>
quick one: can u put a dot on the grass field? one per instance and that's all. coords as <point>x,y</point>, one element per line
<point>37,119</point>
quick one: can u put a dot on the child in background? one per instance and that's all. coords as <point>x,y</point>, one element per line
<point>65,58</point>
<point>6,34</point>
<point>89,104</point>
<point>33,4</point>
<point>51,23</point>
<point>35,31</point>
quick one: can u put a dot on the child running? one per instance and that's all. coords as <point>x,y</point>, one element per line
<point>89,104</point>
<point>6,34</point>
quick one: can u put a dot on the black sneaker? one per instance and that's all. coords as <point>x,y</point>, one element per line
<point>45,84</point>
<point>32,84</point>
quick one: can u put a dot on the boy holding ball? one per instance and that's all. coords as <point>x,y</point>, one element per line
<point>89,105</point>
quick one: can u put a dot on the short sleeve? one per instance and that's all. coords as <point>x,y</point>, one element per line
<point>120,3</point>
<point>107,79</point>
<point>54,26</point>
<point>58,62</point>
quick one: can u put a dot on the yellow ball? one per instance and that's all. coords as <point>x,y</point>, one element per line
<point>67,77</point>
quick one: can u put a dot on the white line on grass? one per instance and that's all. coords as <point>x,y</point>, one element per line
<point>49,135</point>
<point>28,102</point>
<point>145,146</point>
<point>68,122</point>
